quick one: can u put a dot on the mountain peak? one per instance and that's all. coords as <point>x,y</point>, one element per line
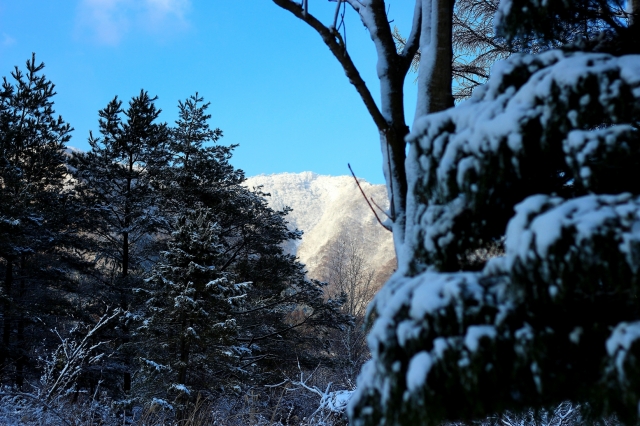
<point>327,209</point>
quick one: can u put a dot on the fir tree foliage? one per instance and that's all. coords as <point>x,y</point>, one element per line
<point>32,162</point>
<point>543,161</point>
<point>189,326</point>
<point>117,181</point>
<point>79,232</point>
<point>200,331</point>
<point>591,24</point>
<point>200,171</point>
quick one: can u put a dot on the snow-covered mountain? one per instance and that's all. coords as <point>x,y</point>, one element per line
<point>325,208</point>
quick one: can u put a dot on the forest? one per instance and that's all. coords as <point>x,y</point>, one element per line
<point>142,275</point>
<point>142,283</point>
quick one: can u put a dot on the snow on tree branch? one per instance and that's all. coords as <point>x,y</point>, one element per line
<point>493,339</point>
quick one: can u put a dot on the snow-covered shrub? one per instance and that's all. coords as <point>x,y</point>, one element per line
<point>544,159</point>
<point>331,407</point>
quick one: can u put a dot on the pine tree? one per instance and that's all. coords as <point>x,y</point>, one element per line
<point>186,339</point>
<point>117,177</point>
<point>543,161</point>
<point>34,209</point>
<point>200,171</point>
<point>118,181</point>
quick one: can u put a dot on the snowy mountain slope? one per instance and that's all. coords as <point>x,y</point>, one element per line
<point>325,208</point>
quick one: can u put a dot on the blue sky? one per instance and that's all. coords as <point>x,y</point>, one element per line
<point>274,87</point>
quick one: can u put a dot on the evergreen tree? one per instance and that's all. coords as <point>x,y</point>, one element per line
<point>281,305</point>
<point>117,180</point>
<point>117,177</point>
<point>35,217</point>
<point>188,328</point>
<point>200,171</point>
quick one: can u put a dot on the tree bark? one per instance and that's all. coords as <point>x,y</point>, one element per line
<point>126,386</point>
<point>431,32</point>
<point>20,360</point>
<point>6,331</point>
<point>434,75</point>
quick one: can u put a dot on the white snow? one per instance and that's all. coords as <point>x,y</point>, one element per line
<point>623,337</point>
<point>575,334</point>
<point>161,403</point>
<point>583,147</point>
<point>418,370</point>
<point>477,332</point>
<point>155,365</point>
<point>495,114</point>
<point>323,208</point>
<point>180,388</point>
<point>618,344</point>
<point>337,401</point>
<point>436,291</point>
<point>541,221</point>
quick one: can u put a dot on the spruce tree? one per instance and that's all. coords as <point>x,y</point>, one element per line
<point>186,338</point>
<point>117,177</point>
<point>284,313</point>
<point>200,171</point>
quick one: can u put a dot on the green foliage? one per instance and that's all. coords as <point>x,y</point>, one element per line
<point>36,215</point>
<point>188,323</point>
<point>31,160</point>
<point>599,25</point>
<point>157,210</point>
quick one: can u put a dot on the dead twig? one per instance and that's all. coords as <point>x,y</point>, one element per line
<point>380,208</point>
<point>367,200</point>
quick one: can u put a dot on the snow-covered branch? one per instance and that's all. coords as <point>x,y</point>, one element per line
<point>73,355</point>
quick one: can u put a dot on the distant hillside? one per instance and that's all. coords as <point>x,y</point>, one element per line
<point>326,207</point>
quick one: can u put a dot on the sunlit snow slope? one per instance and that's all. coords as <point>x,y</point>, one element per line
<point>325,207</point>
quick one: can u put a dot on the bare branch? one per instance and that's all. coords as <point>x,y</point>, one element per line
<point>333,40</point>
<point>365,198</point>
<point>412,43</point>
<point>335,16</point>
<point>380,208</point>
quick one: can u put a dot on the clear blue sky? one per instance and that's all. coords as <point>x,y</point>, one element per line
<point>274,87</point>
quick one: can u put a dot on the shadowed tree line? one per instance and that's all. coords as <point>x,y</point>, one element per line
<point>142,268</point>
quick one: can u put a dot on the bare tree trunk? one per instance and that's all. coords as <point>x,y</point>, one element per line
<point>392,70</point>
<point>184,354</point>
<point>20,360</point>
<point>6,331</point>
<point>182,369</point>
<point>434,75</point>
<point>125,273</point>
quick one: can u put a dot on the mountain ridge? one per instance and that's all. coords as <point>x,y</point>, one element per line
<point>327,209</point>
